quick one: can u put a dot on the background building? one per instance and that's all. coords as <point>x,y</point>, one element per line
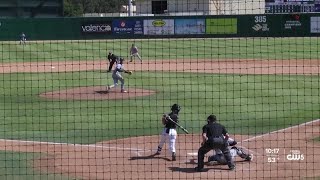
<point>31,8</point>
<point>199,7</point>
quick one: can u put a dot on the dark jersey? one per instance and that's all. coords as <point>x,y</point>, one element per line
<point>170,124</point>
<point>214,130</point>
<point>115,59</point>
<point>110,57</point>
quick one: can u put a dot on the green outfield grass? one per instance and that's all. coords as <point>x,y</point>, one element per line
<point>233,48</point>
<point>317,139</point>
<point>247,104</point>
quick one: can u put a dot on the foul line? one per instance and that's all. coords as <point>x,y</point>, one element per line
<point>276,131</point>
<point>74,145</point>
<point>281,130</point>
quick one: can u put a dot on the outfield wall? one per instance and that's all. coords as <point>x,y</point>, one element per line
<point>281,25</point>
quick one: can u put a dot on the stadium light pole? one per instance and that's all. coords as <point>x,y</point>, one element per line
<point>129,7</point>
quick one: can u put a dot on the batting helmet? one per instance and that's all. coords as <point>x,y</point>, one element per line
<point>175,108</point>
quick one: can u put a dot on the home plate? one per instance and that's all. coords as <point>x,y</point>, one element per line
<point>192,154</point>
<point>194,157</point>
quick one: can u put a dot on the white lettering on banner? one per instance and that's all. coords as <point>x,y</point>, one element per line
<point>260,27</point>
<point>260,19</point>
<point>122,29</point>
<point>290,24</point>
<point>96,28</point>
<point>261,23</point>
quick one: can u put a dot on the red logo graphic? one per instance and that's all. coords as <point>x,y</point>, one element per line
<point>295,17</point>
<point>122,24</point>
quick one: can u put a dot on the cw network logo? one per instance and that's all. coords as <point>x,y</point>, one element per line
<point>295,155</point>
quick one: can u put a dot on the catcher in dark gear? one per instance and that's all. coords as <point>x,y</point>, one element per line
<point>214,136</point>
<point>169,132</point>
<point>218,157</point>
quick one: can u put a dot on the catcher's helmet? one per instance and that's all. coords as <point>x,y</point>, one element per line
<point>175,107</point>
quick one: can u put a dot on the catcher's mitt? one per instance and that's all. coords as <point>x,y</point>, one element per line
<point>129,72</point>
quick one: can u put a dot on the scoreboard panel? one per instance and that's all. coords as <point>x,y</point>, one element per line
<point>291,6</point>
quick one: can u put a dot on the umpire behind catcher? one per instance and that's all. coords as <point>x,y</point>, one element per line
<point>214,136</point>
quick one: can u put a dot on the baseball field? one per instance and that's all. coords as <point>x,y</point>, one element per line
<point>58,123</point>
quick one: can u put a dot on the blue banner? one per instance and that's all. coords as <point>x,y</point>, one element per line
<point>190,26</point>
<point>123,26</point>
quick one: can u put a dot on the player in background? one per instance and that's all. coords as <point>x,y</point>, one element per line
<point>23,39</point>
<point>134,52</point>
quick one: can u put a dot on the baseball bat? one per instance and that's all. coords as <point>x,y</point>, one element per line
<point>183,129</point>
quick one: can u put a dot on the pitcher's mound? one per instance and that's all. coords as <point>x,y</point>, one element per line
<point>95,93</point>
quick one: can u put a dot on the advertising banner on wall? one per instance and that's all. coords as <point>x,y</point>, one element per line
<point>260,23</point>
<point>124,26</point>
<point>273,25</point>
<point>189,26</point>
<point>257,25</point>
<point>158,27</point>
<point>221,25</point>
<point>103,27</point>
<point>292,22</point>
<point>315,24</point>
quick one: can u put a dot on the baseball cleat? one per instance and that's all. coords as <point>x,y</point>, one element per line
<point>231,168</point>
<point>249,157</point>
<point>108,89</point>
<point>174,157</point>
<point>197,169</point>
<point>157,153</point>
<point>212,163</point>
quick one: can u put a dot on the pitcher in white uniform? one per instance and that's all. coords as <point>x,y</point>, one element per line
<point>117,76</point>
